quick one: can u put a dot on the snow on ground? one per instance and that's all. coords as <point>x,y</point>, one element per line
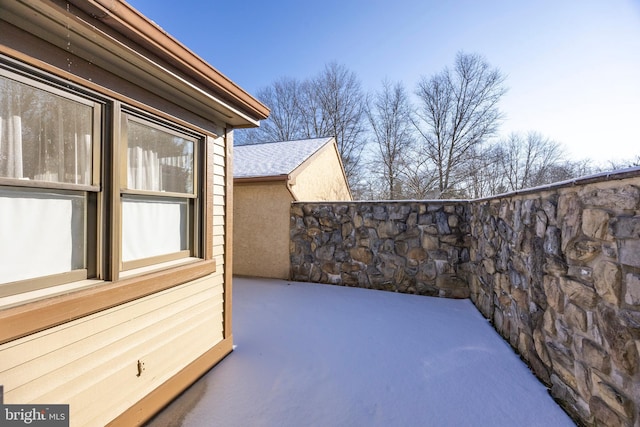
<point>321,355</point>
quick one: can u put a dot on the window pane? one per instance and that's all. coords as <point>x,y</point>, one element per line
<point>44,136</point>
<point>153,227</point>
<point>158,160</point>
<point>41,233</point>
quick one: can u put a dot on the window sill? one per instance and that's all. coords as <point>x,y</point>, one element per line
<point>157,267</point>
<point>10,301</point>
<point>35,311</point>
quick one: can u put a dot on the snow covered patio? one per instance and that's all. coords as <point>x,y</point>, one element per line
<point>321,355</point>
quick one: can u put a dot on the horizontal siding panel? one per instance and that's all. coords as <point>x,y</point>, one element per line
<point>218,170</point>
<point>82,362</point>
<point>219,180</point>
<point>218,190</point>
<point>218,160</point>
<point>218,211</point>
<point>221,272</point>
<point>218,240</point>
<point>218,251</point>
<point>57,365</point>
<point>218,199</point>
<point>218,220</point>
<point>127,398</point>
<point>161,363</point>
<point>70,383</point>
<point>17,353</point>
<point>72,356</point>
<point>218,230</point>
<point>219,149</point>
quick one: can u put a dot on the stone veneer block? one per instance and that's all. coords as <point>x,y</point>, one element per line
<point>626,227</point>
<point>576,317</point>
<point>608,281</point>
<point>595,356</point>
<point>629,252</point>
<point>603,414</point>
<point>632,289</point>
<point>581,294</point>
<point>625,197</point>
<point>613,397</point>
<point>595,224</point>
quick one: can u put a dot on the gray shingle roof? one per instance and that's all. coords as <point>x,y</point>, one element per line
<point>273,158</point>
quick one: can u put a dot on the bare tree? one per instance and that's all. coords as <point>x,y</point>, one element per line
<point>388,112</point>
<point>284,122</point>
<point>458,109</point>
<point>485,175</point>
<point>517,162</point>
<point>419,177</point>
<point>531,160</point>
<point>567,169</point>
<point>284,118</point>
<point>622,164</point>
<point>332,104</point>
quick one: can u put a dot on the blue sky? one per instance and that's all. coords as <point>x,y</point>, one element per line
<point>572,66</point>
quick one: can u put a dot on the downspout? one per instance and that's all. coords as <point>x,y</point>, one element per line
<point>291,181</point>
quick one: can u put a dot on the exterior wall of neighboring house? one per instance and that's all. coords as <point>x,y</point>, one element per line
<point>262,211</point>
<point>261,229</point>
<point>321,177</point>
<point>128,334</point>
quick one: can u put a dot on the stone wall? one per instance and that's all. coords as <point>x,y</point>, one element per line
<point>556,270</point>
<point>412,247</point>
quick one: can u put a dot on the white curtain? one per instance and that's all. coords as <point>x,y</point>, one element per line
<point>148,171</point>
<point>144,170</point>
<point>82,160</point>
<point>152,228</point>
<point>11,147</point>
<point>88,163</point>
<point>36,234</point>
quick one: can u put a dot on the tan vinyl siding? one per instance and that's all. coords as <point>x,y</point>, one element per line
<point>219,210</point>
<point>91,363</point>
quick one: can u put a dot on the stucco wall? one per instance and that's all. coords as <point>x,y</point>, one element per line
<point>321,177</point>
<point>261,229</point>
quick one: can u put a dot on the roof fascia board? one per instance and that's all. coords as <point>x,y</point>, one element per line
<point>288,181</point>
<point>258,179</point>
